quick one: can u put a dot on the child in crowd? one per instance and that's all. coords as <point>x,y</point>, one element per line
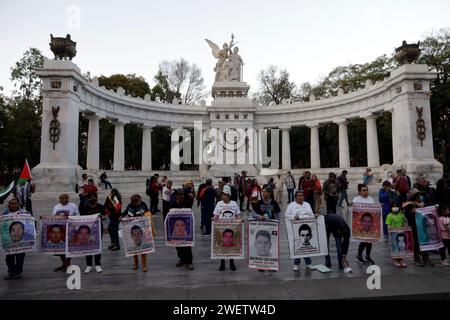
<point>396,220</point>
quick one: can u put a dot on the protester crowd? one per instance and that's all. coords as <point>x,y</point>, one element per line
<point>399,198</point>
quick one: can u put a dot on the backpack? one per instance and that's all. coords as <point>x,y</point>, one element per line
<point>76,188</point>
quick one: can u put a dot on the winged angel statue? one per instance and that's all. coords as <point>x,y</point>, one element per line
<point>229,64</point>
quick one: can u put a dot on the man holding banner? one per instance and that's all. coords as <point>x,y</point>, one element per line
<point>17,229</point>
<point>296,210</point>
<point>227,209</point>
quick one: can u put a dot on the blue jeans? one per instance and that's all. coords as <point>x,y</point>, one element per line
<point>290,195</point>
<point>343,197</point>
<point>298,260</point>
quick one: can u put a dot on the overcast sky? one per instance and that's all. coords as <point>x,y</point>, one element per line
<point>308,38</point>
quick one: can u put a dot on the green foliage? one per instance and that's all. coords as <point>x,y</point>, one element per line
<point>436,53</point>
<point>275,87</point>
<point>20,115</point>
<point>133,85</point>
<point>23,74</point>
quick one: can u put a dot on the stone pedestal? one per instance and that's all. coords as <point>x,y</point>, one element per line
<point>58,165</point>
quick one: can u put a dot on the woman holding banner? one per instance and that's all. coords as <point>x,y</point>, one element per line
<point>16,230</point>
<point>266,208</point>
<point>138,208</point>
<point>184,253</point>
<point>93,207</point>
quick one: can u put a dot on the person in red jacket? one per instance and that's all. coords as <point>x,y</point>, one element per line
<point>254,192</point>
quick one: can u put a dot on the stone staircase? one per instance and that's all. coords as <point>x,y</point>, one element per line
<point>134,181</point>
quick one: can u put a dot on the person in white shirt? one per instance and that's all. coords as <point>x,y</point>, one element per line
<point>227,209</point>
<point>167,192</point>
<point>296,210</point>
<point>364,197</point>
<point>64,209</point>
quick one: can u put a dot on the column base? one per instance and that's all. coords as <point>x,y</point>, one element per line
<point>55,177</point>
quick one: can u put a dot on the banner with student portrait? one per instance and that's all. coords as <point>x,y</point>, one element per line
<point>366,222</point>
<point>401,243</point>
<point>179,228</point>
<point>427,229</point>
<point>53,234</point>
<point>137,236</point>
<point>263,245</point>
<point>18,233</point>
<point>307,237</point>
<point>83,236</point>
<point>227,239</point>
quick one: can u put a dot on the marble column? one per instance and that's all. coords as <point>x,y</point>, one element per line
<point>175,149</point>
<point>344,153</point>
<point>146,148</point>
<point>285,149</point>
<point>119,146</point>
<point>93,149</point>
<point>315,146</point>
<point>373,156</point>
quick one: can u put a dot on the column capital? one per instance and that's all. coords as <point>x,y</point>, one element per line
<point>285,128</point>
<point>313,125</point>
<point>148,126</point>
<point>118,122</point>
<point>369,116</point>
<point>341,121</point>
<point>94,116</point>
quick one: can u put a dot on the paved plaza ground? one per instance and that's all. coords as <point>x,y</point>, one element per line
<point>165,281</point>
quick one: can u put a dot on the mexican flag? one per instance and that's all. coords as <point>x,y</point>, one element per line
<point>5,192</point>
<point>25,175</point>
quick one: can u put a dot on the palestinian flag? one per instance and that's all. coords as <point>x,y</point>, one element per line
<point>25,175</point>
<point>5,192</point>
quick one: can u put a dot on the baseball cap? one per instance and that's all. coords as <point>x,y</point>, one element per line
<point>227,189</point>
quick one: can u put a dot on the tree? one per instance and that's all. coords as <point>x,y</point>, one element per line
<point>353,76</point>
<point>183,79</point>
<point>20,115</point>
<point>436,54</point>
<point>135,86</point>
<point>275,87</point>
<point>23,74</point>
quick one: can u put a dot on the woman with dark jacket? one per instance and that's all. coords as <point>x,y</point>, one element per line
<point>113,209</point>
<point>93,207</point>
<point>138,208</point>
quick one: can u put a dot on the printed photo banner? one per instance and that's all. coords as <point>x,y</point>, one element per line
<point>53,234</point>
<point>366,222</point>
<point>179,228</point>
<point>263,245</point>
<point>18,233</point>
<point>307,237</point>
<point>427,229</point>
<point>83,236</point>
<point>401,243</point>
<point>137,236</point>
<point>227,239</point>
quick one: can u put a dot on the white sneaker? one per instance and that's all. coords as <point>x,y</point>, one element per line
<point>98,269</point>
<point>347,270</point>
<point>88,269</point>
<point>444,262</point>
<point>296,267</point>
